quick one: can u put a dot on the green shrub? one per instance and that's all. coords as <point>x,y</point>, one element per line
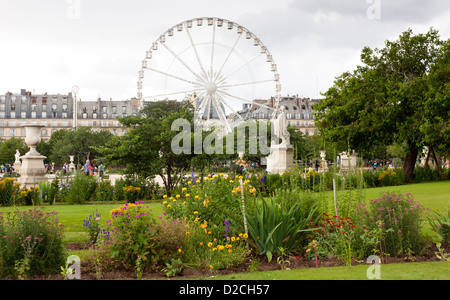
<point>280,222</point>
<point>440,223</point>
<point>401,218</point>
<point>137,237</point>
<point>81,189</point>
<point>31,243</point>
<point>105,191</point>
<point>9,191</point>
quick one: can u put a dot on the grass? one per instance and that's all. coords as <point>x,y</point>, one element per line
<point>433,195</point>
<point>402,271</point>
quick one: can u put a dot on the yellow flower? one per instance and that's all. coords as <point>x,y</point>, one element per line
<point>178,196</point>
<point>169,206</point>
<point>201,243</point>
<point>230,251</point>
<point>211,267</point>
<point>165,196</point>
<point>188,233</point>
<point>184,189</point>
<point>252,191</point>
<point>233,239</point>
<point>188,195</point>
<point>179,250</point>
<point>189,182</point>
<point>165,202</point>
<point>214,249</point>
<point>210,244</point>
<point>195,212</point>
<point>245,236</point>
<point>196,197</point>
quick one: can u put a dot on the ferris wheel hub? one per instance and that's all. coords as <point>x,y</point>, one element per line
<point>211,87</point>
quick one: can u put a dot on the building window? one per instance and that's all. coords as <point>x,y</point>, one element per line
<point>2,132</point>
<point>64,115</point>
<point>2,106</point>
<point>114,109</point>
<point>23,115</point>
<point>105,116</point>
<point>13,98</point>
<point>104,109</point>
<point>44,132</point>
<point>13,114</point>
<point>94,115</point>
<point>85,123</point>
<point>12,132</point>
<point>104,123</point>
<point>54,123</point>
<point>64,107</point>
<point>44,114</point>
<point>2,114</point>
<point>33,114</point>
<point>85,116</point>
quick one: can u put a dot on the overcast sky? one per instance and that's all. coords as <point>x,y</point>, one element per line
<point>52,45</point>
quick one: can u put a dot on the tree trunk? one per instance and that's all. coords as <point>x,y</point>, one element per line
<point>410,163</point>
<point>437,162</point>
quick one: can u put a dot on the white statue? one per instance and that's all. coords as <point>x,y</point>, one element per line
<point>17,156</point>
<point>280,127</point>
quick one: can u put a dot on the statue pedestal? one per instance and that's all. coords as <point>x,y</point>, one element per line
<point>281,158</point>
<point>32,170</point>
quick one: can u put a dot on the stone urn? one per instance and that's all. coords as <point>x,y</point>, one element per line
<point>72,166</point>
<point>32,170</point>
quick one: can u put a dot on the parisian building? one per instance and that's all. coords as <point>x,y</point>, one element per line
<point>56,111</point>
<point>299,112</point>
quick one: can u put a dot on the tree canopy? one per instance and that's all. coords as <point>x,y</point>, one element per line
<point>399,94</point>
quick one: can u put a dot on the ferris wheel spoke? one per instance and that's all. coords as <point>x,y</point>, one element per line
<point>222,100</point>
<point>229,54</point>
<point>212,51</point>
<point>174,93</point>
<point>244,65</point>
<point>171,75</point>
<point>245,100</point>
<point>246,83</point>
<point>182,62</point>
<point>220,113</point>
<point>196,52</point>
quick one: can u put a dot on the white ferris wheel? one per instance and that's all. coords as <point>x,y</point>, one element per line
<point>219,65</point>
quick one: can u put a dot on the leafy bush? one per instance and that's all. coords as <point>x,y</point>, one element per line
<point>9,190</point>
<point>280,222</point>
<point>203,251</point>
<point>82,189</point>
<point>105,191</point>
<point>401,218</point>
<point>31,242</point>
<point>440,223</point>
<point>137,237</point>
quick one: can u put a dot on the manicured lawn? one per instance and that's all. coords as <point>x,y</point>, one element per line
<point>403,271</point>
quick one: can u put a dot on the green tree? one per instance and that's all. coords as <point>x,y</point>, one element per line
<point>385,100</point>
<point>146,149</point>
<point>78,142</point>
<point>8,150</point>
